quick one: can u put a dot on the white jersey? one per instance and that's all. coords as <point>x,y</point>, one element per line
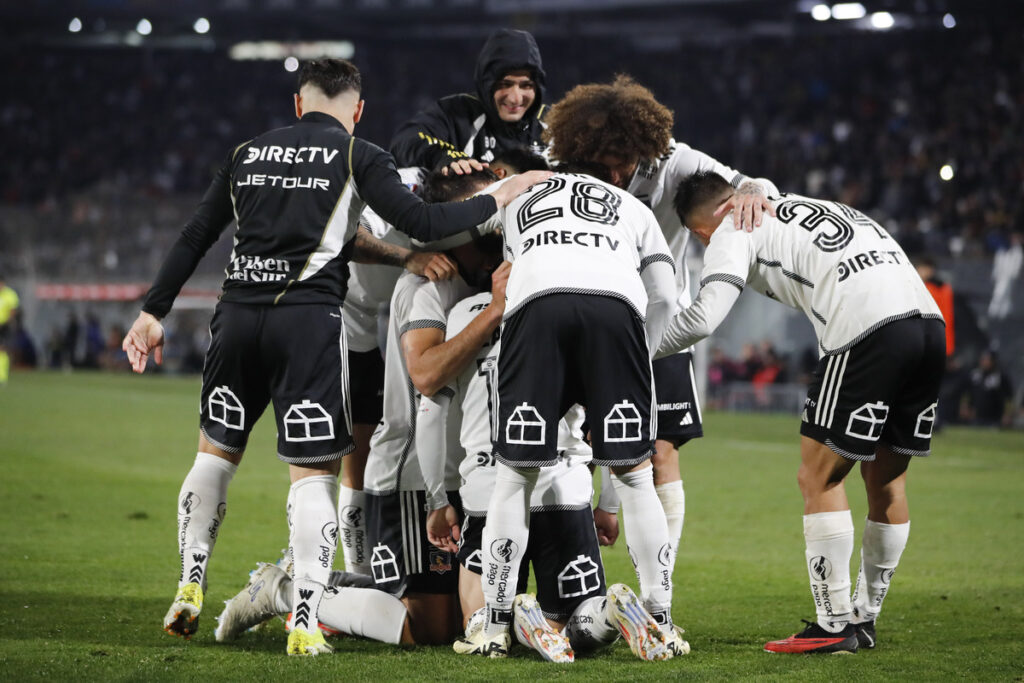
<point>566,485</point>
<point>832,262</point>
<point>392,465</point>
<point>655,183</point>
<point>370,285</point>
<point>575,234</point>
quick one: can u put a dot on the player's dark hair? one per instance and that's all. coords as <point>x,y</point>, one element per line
<point>521,160</point>
<point>332,76</point>
<point>591,168</point>
<point>438,187</point>
<point>696,189</point>
<point>620,118</point>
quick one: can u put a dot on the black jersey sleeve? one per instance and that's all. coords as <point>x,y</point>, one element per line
<point>213,214</point>
<point>382,188</point>
<point>429,139</point>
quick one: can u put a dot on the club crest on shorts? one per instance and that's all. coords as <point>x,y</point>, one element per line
<point>579,577</point>
<point>622,423</point>
<point>440,561</point>
<point>308,421</point>
<point>525,426</point>
<point>224,407</point>
<point>868,421</point>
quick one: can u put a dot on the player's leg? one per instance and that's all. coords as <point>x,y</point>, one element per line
<point>367,390</point>
<point>233,396</point>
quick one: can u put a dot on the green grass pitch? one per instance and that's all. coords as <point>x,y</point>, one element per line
<point>91,466</point>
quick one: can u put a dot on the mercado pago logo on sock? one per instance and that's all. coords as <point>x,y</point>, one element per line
<point>821,568</point>
<point>504,549</point>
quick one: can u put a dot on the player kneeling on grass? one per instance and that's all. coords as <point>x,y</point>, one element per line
<point>874,393</point>
<point>571,611</point>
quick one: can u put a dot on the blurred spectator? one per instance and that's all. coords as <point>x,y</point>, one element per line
<point>69,342</point>
<point>1005,270</point>
<point>8,306</point>
<point>95,344</point>
<point>989,392</point>
<point>942,292</point>
<point>23,347</point>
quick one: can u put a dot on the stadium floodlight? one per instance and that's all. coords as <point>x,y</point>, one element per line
<point>273,50</point>
<point>882,20</point>
<point>848,10</point>
<point>144,27</point>
<point>75,26</point>
<point>946,172</point>
<point>821,13</point>
<point>948,20</point>
<point>291,64</point>
<point>202,25</point>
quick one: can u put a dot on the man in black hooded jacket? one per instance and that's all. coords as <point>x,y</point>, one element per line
<point>505,112</point>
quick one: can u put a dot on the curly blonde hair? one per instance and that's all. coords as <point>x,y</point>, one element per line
<point>620,118</point>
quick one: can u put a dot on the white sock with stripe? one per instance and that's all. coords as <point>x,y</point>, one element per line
<point>881,548</point>
<point>829,538</point>
<point>352,529</point>
<point>503,544</point>
<point>313,539</point>
<point>202,504</point>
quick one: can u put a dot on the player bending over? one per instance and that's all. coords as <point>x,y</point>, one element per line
<point>875,389</point>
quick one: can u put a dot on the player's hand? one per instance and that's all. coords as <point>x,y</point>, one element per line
<point>517,184</point>
<point>145,335</point>
<point>463,166</point>
<point>607,524</point>
<point>748,205</point>
<point>443,528</point>
<point>432,265</point>
<point>499,281</point>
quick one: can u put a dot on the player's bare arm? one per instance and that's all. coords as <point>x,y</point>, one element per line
<point>146,335</point>
<point>433,362</point>
<point>463,166</point>
<point>431,265</point>
<point>518,184</point>
<point>748,203</point>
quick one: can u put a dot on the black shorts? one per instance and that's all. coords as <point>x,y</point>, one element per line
<point>366,380</point>
<point>291,355</point>
<point>562,349</point>
<point>679,418</point>
<point>883,390</point>
<point>564,552</point>
<point>402,560</point>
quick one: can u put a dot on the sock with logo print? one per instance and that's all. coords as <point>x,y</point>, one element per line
<point>881,548</point>
<point>829,539</point>
<point>202,504</point>
<point>313,540</point>
<point>352,529</point>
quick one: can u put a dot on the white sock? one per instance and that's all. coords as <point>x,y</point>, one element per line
<point>365,612</point>
<point>504,542</point>
<point>202,504</point>
<point>673,501</point>
<point>352,528</point>
<point>829,538</point>
<point>881,548</point>
<point>313,539</point>
<point>647,534</point>
<point>589,628</point>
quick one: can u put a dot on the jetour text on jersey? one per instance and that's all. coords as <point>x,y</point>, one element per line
<point>582,239</point>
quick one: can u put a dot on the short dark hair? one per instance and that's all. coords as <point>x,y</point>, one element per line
<point>439,187</point>
<point>696,189</point>
<point>332,76</point>
<point>521,160</point>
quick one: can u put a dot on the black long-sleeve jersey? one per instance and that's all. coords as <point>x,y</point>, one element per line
<point>296,194</point>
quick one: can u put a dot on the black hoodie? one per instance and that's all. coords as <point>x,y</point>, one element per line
<point>465,125</point>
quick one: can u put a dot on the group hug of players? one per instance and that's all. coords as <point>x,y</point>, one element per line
<point>540,328</point>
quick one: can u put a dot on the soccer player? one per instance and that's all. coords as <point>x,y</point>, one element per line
<point>590,292</point>
<point>8,306</point>
<point>504,113</point>
<point>277,334</point>
<point>571,610</point>
<point>419,360</point>
<point>622,126</point>
<point>875,389</point>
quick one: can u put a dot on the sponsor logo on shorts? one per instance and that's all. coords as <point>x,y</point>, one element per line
<point>926,422</point>
<point>383,564</point>
<point>820,567</point>
<point>687,419</point>
<point>308,421</point>
<point>682,405</point>
<point>868,421</point>
<point>579,577</point>
<point>224,407</point>
<point>440,561</point>
<point>622,423</point>
<point>525,426</point>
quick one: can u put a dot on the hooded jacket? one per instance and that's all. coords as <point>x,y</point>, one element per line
<point>468,125</point>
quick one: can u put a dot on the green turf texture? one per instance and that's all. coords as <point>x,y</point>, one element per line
<point>92,464</point>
